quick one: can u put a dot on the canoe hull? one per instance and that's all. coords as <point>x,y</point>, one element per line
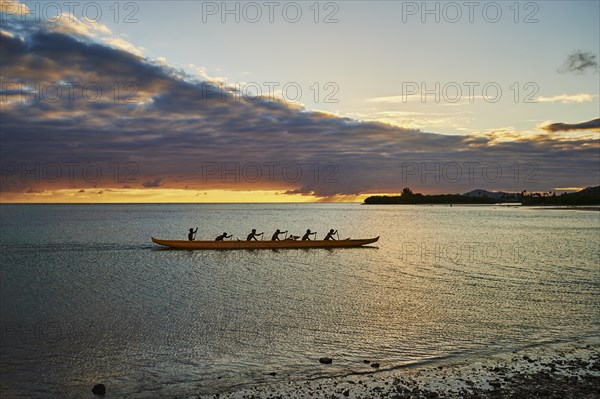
<point>283,244</point>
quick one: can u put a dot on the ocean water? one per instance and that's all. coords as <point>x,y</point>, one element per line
<point>86,298</point>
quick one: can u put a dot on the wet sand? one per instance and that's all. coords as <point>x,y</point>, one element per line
<point>561,370</point>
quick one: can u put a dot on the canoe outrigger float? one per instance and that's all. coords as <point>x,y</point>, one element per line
<point>283,244</point>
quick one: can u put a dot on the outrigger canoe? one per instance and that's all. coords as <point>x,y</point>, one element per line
<point>283,244</point>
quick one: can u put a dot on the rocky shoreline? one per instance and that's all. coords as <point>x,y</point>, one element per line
<point>563,370</point>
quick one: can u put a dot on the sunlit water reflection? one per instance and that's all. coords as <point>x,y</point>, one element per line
<point>86,298</point>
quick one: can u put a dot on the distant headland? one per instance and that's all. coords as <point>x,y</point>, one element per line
<point>587,196</point>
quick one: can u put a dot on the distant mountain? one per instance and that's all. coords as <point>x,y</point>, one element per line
<point>593,191</point>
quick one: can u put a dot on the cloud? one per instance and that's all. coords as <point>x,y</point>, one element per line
<point>580,62</point>
<point>568,188</point>
<point>593,125</point>
<point>124,45</point>
<point>568,98</point>
<point>153,183</point>
<point>206,136</point>
<point>388,99</point>
<point>421,120</point>
<point>69,24</point>
<point>7,34</point>
<point>13,7</point>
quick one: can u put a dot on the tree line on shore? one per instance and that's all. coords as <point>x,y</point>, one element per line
<point>587,196</point>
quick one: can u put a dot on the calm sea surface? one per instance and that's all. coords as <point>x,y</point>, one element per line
<point>86,298</point>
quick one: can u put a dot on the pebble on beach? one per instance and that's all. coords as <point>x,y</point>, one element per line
<point>551,371</point>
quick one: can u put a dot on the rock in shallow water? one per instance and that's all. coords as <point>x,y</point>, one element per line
<point>99,389</point>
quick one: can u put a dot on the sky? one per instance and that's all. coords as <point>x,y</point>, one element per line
<point>195,101</point>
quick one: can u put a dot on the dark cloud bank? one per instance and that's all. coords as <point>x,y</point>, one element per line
<point>179,132</point>
<point>565,127</point>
